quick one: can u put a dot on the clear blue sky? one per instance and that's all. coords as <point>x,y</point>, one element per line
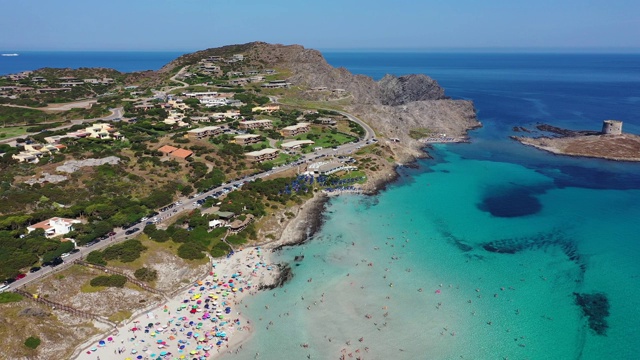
<point>323,24</point>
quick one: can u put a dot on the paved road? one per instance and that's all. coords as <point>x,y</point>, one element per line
<point>187,204</point>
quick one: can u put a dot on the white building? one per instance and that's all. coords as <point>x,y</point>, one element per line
<point>55,226</point>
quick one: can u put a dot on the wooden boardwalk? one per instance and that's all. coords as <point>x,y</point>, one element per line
<point>117,272</point>
<point>63,307</point>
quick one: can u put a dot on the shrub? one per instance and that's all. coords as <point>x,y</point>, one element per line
<point>95,257</point>
<point>159,236</point>
<point>32,342</point>
<point>191,251</point>
<point>146,274</point>
<point>111,281</point>
<point>220,249</point>
<point>7,297</point>
<point>126,251</point>
<point>236,239</point>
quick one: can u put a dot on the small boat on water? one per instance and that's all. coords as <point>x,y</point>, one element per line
<point>14,54</point>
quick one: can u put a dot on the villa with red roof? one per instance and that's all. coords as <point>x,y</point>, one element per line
<point>175,152</point>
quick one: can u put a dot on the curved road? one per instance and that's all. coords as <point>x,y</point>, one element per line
<point>116,113</point>
<point>187,204</point>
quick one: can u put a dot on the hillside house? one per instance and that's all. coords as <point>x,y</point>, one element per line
<point>54,226</point>
<point>296,129</point>
<point>262,155</point>
<point>247,139</point>
<point>204,132</point>
<point>256,124</point>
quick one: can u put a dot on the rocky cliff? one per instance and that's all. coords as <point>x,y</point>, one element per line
<point>409,88</point>
<point>393,106</point>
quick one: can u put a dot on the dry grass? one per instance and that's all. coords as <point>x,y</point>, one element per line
<point>120,316</point>
<point>60,333</point>
<point>87,288</point>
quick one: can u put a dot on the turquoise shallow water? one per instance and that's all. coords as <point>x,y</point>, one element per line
<point>562,226</point>
<point>427,232</point>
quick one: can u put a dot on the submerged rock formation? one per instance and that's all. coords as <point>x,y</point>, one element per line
<point>596,308</point>
<point>539,241</point>
<point>284,275</point>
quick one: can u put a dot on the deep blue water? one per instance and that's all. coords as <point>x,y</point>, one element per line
<point>500,236</point>
<point>126,61</point>
<point>576,91</point>
<point>563,225</point>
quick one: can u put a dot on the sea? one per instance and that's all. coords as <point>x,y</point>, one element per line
<point>487,250</point>
<point>123,61</point>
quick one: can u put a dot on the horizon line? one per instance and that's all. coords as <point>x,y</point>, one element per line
<point>563,50</point>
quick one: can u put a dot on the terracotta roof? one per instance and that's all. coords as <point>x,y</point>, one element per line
<point>167,149</point>
<point>182,153</point>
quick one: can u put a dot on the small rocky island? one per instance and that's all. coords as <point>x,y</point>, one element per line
<point>610,143</point>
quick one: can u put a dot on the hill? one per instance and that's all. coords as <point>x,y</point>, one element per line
<point>394,106</point>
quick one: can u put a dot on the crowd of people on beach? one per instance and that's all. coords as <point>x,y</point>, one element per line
<point>197,324</point>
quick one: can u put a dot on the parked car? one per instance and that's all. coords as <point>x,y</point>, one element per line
<point>131,231</point>
<point>56,261</point>
<point>20,276</point>
<point>74,251</point>
<point>64,255</point>
<point>34,269</point>
<point>113,233</point>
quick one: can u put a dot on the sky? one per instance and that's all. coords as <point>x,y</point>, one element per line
<point>149,25</point>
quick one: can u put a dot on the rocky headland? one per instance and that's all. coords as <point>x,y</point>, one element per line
<point>585,143</point>
<point>393,106</point>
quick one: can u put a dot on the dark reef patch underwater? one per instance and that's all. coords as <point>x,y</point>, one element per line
<point>514,202</point>
<point>596,308</point>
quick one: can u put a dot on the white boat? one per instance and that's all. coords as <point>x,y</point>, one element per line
<point>14,54</point>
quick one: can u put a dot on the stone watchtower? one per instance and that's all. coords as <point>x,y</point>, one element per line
<point>612,127</point>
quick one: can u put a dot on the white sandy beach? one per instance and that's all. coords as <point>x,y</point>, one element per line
<point>202,322</point>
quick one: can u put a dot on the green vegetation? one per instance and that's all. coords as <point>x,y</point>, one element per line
<point>32,342</point>
<point>420,133</point>
<point>191,251</point>
<point>8,297</point>
<point>109,281</point>
<point>12,131</point>
<point>325,139</point>
<point>126,251</point>
<point>15,116</point>
<point>220,249</point>
<point>112,196</point>
<point>96,258</point>
<point>18,253</point>
<point>146,274</point>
